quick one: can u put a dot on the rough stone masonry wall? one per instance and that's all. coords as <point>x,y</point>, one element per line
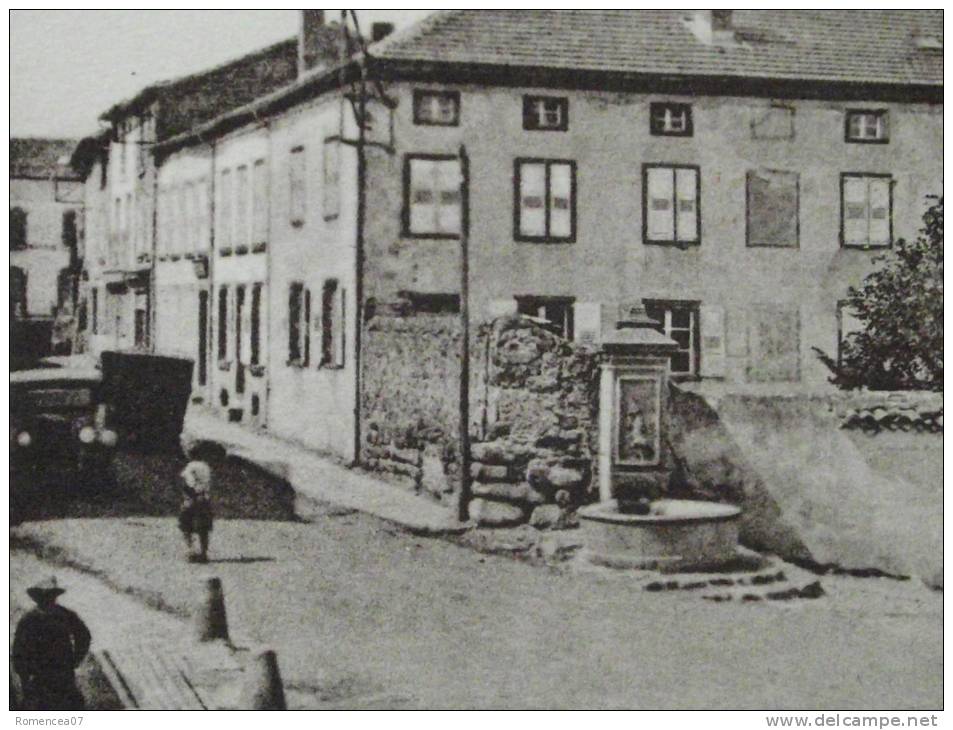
<point>410,402</point>
<point>536,459</point>
<point>532,406</point>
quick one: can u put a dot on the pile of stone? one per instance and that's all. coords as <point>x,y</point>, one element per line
<point>873,412</point>
<point>515,481</point>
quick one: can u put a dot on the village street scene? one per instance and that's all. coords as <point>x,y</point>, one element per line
<point>477,359</point>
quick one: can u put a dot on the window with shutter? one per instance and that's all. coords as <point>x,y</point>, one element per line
<point>255,327</point>
<point>670,204</point>
<point>332,325</point>
<point>774,342</point>
<point>773,208</point>
<point>224,230</point>
<point>242,208</point>
<point>432,196</point>
<point>297,174</point>
<point>545,201</point>
<point>558,311</point>
<point>866,210</point>
<point>678,321</point>
<point>259,202</point>
<point>331,189</point>
<point>712,333</point>
<point>223,323</point>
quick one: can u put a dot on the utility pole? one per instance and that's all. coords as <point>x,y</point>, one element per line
<point>464,503</point>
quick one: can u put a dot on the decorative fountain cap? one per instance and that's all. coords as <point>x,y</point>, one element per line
<point>637,332</point>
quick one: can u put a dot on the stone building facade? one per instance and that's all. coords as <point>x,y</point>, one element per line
<point>45,207</point>
<point>707,163</point>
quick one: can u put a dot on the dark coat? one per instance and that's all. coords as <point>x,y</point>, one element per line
<point>48,646</point>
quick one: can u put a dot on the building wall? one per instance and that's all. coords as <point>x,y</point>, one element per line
<point>311,403</point>
<point>100,331</point>
<point>44,203</point>
<point>131,196</point>
<point>183,234</point>
<point>241,261</point>
<point>609,139</point>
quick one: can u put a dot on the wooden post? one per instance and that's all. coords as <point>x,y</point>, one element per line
<point>464,502</point>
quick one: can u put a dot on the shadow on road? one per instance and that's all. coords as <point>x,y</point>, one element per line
<point>147,485</point>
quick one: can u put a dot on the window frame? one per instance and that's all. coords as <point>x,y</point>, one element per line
<point>693,307</point>
<point>333,326</point>
<point>656,131</point>
<point>866,247</point>
<point>420,94</point>
<point>537,302</point>
<point>301,344</point>
<point>297,188</point>
<point>406,231</point>
<point>331,178</point>
<point>547,162</point>
<point>645,206</point>
<point>797,209</point>
<point>222,324</point>
<point>883,114</point>
<point>531,121</point>
<point>23,220</point>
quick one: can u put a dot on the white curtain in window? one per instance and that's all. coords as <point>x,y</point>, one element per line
<point>423,209</point>
<point>712,332</point>
<point>855,211</point>
<point>448,204</point>
<point>560,216</point>
<point>686,188</point>
<point>879,196</point>
<point>533,199</point>
<point>661,221</point>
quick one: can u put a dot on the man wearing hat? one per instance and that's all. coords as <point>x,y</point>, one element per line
<point>49,644</point>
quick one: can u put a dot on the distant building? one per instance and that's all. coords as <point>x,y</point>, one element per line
<point>735,171</point>
<point>46,198</point>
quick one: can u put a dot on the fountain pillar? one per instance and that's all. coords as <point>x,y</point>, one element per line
<point>633,399</point>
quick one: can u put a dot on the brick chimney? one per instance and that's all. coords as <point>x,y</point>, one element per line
<point>379,31</point>
<point>310,39</point>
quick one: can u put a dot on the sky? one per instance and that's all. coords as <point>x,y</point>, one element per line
<point>69,66</point>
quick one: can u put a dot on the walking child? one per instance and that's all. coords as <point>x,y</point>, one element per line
<point>195,517</point>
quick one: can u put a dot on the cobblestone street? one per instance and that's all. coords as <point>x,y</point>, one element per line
<point>362,615</point>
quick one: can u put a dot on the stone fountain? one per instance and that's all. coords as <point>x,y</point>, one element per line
<point>628,528</point>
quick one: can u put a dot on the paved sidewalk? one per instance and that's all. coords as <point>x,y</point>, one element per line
<point>320,479</point>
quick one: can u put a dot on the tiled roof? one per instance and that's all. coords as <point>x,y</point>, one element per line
<point>192,100</point>
<point>869,46</point>
<point>37,158</point>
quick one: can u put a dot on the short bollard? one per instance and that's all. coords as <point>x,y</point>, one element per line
<point>263,689</point>
<point>210,620</point>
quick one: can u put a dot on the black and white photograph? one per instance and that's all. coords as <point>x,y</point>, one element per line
<point>500,359</point>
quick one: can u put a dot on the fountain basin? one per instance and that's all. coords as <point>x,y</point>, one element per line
<point>676,535</point>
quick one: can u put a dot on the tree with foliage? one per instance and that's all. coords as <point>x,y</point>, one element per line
<point>900,306</point>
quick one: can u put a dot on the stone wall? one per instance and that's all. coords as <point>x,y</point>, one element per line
<point>532,406</point>
<point>410,402</point>
<point>536,459</point>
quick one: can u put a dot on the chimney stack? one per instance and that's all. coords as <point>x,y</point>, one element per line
<point>310,36</point>
<point>379,31</point>
<point>713,27</point>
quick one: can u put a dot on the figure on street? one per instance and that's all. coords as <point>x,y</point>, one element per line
<point>49,644</point>
<point>195,517</point>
